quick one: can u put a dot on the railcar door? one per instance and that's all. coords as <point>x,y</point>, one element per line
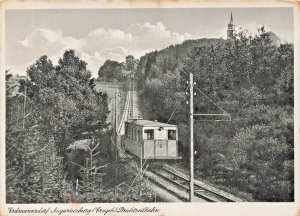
<point>161,149</point>
<point>148,137</point>
<point>172,143</point>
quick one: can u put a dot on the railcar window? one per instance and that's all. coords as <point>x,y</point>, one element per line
<point>171,134</point>
<point>150,134</point>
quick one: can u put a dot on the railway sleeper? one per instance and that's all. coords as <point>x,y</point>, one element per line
<point>200,195</point>
<point>226,196</point>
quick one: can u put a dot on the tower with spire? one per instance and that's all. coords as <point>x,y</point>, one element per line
<point>230,29</point>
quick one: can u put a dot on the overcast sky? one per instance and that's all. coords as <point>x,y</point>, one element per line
<point>97,35</point>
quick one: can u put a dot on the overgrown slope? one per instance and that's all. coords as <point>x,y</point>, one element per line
<point>249,77</point>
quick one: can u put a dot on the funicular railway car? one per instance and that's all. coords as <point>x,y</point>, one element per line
<point>151,139</point>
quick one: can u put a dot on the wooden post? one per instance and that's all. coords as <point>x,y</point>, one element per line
<point>191,138</point>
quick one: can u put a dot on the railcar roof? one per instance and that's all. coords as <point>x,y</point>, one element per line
<point>152,123</point>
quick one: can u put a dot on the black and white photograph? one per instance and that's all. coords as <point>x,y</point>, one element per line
<point>148,105</point>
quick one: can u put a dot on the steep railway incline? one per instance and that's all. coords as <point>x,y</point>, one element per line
<point>131,109</point>
<point>130,112</point>
<point>169,180</point>
<point>134,112</point>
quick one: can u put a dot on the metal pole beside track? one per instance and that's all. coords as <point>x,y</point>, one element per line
<point>191,198</point>
<point>116,122</point>
<point>116,109</point>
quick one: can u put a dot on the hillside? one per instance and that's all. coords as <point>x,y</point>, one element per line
<point>249,77</point>
<point>169,59</point>
<point>161,61</point>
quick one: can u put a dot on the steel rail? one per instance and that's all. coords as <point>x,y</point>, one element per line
<point>197,193</point>
<point>212,189</point>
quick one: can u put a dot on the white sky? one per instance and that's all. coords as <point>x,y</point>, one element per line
<point>97,35</point>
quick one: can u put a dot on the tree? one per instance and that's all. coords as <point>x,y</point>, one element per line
<point>130,63</point>
<point>15,135</point>
<point>62,106</point>
<point>111,70</point>
<point>66,104</point>
<point>251,77</point>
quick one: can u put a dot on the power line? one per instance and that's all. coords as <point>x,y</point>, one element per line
<point>176,106</point>
<point>212,102</point>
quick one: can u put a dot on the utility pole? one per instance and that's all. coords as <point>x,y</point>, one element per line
<point>116,122</point>
<point>191,82</point>
<point>191,198</point>
<point>116,105</point>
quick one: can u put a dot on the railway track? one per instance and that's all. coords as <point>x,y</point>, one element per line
<point>178,184</point>
<point>166,177</point>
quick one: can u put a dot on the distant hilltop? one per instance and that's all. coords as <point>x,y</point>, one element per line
<point>171,59</point>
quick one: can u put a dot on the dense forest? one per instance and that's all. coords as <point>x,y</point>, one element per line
<point>58,144</point>
<point>249,77</point>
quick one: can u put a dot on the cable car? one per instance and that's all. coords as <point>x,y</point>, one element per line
<point>151,139</point>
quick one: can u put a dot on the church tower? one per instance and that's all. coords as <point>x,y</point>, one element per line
<point>230,29</point>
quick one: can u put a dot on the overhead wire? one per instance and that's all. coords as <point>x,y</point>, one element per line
<point>225,113</point>
<point>177,106</point>
<point>212,101</point>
